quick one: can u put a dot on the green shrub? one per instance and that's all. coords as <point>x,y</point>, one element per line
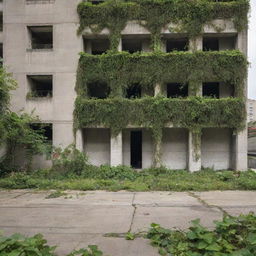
<point>69,161</point>
<point>109,172</point>
<point>234,236</point>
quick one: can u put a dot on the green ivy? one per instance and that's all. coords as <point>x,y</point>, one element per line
<point>156,112</point>
<point>121,69</point>
<point>154,15</point>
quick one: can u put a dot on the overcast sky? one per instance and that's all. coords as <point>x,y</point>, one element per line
<point>252,52</point>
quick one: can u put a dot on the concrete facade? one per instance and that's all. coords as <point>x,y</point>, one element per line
<point>219,148</point>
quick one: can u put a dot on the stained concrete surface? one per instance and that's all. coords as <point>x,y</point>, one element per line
<point>78,219</point>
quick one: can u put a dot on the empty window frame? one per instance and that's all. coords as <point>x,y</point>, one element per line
<point>210,44</point>
<point>41,37</point>
<point>211,89</point>
<point>175,90</point>
<point>96,46</point>
<point>133,91</point>
<point>99,90</point>
<point>132,45</point>
<point>136,149</point>
<point>219,43</point>
<point>40,85</point>
<point>43,128</point>
<point>177,44</point>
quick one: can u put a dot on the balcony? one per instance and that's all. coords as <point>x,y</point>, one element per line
<point>153,112</point>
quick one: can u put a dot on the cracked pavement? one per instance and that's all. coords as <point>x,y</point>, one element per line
<point>81,218</point>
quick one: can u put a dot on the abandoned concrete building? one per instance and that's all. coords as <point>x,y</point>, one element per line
<point>138,94</point>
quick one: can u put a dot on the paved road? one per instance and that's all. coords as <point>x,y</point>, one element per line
<point>81,218</point>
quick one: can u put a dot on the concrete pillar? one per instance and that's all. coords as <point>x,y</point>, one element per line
<point>240,151</point>
<point>116,150</point>
<point>194,152</point>
<point>196,44</point>
<point>79,140</point>
<point>119,48</point>
<point>88,46</point>
<point>158,90</point>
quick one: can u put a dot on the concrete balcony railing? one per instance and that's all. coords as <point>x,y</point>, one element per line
<point>192,112</point>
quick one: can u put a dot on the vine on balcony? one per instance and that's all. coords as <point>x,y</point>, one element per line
<point>121,69</point>
<point>188,16</point>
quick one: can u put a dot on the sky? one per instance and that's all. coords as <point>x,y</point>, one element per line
<point>252,52</point>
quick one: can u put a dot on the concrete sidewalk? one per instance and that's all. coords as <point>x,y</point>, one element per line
<point>82,218</point>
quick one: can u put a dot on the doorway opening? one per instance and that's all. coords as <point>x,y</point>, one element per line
<point>136,149</point>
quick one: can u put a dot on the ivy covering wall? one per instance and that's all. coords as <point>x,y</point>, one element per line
<point>121,69</point>
<point>189,16</point>
<point>157,112</point>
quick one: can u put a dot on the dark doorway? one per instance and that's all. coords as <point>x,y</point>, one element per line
<point>136,149</point>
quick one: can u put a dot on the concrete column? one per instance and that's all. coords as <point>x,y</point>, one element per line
<point>88,46</point>
<point>194,152</point>
<point>79,140</point>
<point>240,162</point>
<point>158,90</point>
<point>196,44</point>
<point>241,43</point>
<point>119,48</point>
<point>116,150</point>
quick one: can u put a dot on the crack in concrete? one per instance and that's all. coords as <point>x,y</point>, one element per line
<point>203,202</point>
<point>134,211</point>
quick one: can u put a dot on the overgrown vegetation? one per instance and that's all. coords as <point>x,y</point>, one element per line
<point>157,112</point>
<point>175,15</point>
<point>19,245</point>
<point>121,70</point>
<point>15,130</point>
<point>233,236</point>
<point>125,178</point>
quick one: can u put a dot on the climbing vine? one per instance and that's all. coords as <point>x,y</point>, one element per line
<point>188,16</point>
<point>121,69</point>
<point>157,112</point>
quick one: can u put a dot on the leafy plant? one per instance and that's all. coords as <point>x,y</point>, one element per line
<point>68,161</point>
<point>17,245</point>
<point>91,251</point>
<point>232,236</point>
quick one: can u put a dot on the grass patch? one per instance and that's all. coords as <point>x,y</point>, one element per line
<point>56,194</point>
<point>125,178</point>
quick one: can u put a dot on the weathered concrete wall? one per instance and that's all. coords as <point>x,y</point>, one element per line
<point>216,148</point>
<point>175,148</point>
<point>97,145</point>
<point>61,62</point>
